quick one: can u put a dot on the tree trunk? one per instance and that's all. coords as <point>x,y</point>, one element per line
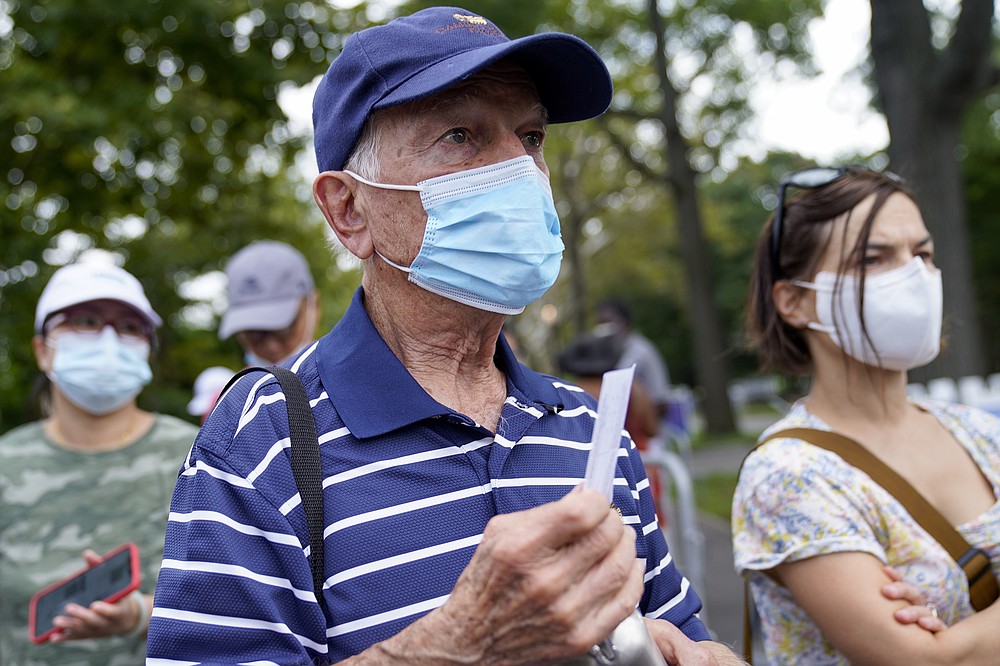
<point>924,95</point>
<point>710,364</point>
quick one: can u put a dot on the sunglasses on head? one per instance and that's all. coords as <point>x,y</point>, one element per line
<point>807,179</point>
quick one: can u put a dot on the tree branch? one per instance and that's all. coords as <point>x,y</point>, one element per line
<point>629,114</point>
<point>621,145</point>
<point>967,69</point>
<point>901,48</point>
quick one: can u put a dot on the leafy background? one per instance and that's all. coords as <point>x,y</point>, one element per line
<point>152,130</point>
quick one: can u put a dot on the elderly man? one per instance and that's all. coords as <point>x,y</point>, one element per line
<point>453,533</point>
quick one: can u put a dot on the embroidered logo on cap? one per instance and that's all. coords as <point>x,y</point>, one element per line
<point>478,20</point>
<point>249,287</point>
<point>472,23</point>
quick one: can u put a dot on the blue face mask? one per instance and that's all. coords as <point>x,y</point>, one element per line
<point>252,360</point>
<point>492,239</point>
<point>98,373</point>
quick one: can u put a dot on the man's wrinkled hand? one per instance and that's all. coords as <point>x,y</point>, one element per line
<point>545,584</point>
<point>679,650</point>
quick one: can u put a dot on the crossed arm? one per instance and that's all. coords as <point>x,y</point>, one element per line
<point>870,627</point>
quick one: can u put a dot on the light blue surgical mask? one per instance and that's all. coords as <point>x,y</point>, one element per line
<point>99,373</point>
<point>492,239</point>
<point>252,360</point>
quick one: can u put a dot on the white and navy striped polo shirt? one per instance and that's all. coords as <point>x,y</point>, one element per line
<point>409,486</point>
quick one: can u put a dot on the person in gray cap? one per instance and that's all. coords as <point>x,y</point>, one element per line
<point>273,306</point>
<point>456,526</point>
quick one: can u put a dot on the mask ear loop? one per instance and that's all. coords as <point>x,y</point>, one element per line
<point>387,186</point>
<point>384,186</point>
<point>814,325</point>
<point>405,269</point>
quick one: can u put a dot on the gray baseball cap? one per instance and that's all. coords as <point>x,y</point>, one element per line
<point>267,281</point>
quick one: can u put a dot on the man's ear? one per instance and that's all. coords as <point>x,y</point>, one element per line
<point>793,304</point>
<point>334,192</point>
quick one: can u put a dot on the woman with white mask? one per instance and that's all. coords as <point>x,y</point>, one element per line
<point>96,472</point>
<point>845,291</point>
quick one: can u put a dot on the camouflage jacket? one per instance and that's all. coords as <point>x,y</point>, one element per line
<point>54,503</point>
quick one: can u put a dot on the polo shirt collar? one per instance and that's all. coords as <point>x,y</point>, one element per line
<point>372,391</point>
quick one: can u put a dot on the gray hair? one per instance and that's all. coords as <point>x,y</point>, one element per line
<point>364,159</point>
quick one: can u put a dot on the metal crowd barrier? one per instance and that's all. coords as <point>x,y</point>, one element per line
<point>687,543</point>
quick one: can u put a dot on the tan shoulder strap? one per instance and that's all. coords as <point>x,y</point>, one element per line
<point>747,628</point>
<point>982,583</point>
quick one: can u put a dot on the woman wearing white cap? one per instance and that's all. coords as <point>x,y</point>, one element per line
<point>96,472</point>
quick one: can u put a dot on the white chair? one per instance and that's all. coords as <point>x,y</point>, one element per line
<point>973,390</point>
<point>916,390</point>
<point>993,381</point>
<point>943,388</point>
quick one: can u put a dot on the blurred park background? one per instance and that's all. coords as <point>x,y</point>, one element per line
<point>168,134</point>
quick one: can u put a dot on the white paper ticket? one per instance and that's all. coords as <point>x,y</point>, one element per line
<point>606,440</point>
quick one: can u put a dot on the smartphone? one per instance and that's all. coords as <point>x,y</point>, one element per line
<point>115,576</point>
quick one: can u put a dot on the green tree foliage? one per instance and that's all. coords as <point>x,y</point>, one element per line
<point>981,151</point>
<point>151,129</point>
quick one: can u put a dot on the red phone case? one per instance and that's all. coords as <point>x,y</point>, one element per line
<point>108,595</point>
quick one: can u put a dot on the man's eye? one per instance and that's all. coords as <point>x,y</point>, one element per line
<point>533,139</point>
<point>457,135</point>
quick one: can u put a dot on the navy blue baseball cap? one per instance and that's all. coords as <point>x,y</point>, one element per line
<point>418,55</point>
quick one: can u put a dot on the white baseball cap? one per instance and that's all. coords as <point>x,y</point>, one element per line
<point>90,281</point>
<point>207,387</point>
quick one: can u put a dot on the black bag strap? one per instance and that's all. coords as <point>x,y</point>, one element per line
<point>305,467</point>
<point>305,462</point>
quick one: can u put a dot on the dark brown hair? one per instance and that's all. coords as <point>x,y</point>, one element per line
<point>809,218</point>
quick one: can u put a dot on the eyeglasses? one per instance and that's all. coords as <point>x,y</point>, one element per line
<point>257,337</point>
<point>807,179</point>
<point>129,328</point>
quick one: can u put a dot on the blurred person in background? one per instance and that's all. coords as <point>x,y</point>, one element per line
<point>587,357</point>
<point>273,305</point>
<point>615,317</point>
<point>207,387</point>
<point>96,472</point>
<point>845,291</point>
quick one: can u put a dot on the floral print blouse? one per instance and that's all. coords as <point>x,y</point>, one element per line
<point>795,500</point>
